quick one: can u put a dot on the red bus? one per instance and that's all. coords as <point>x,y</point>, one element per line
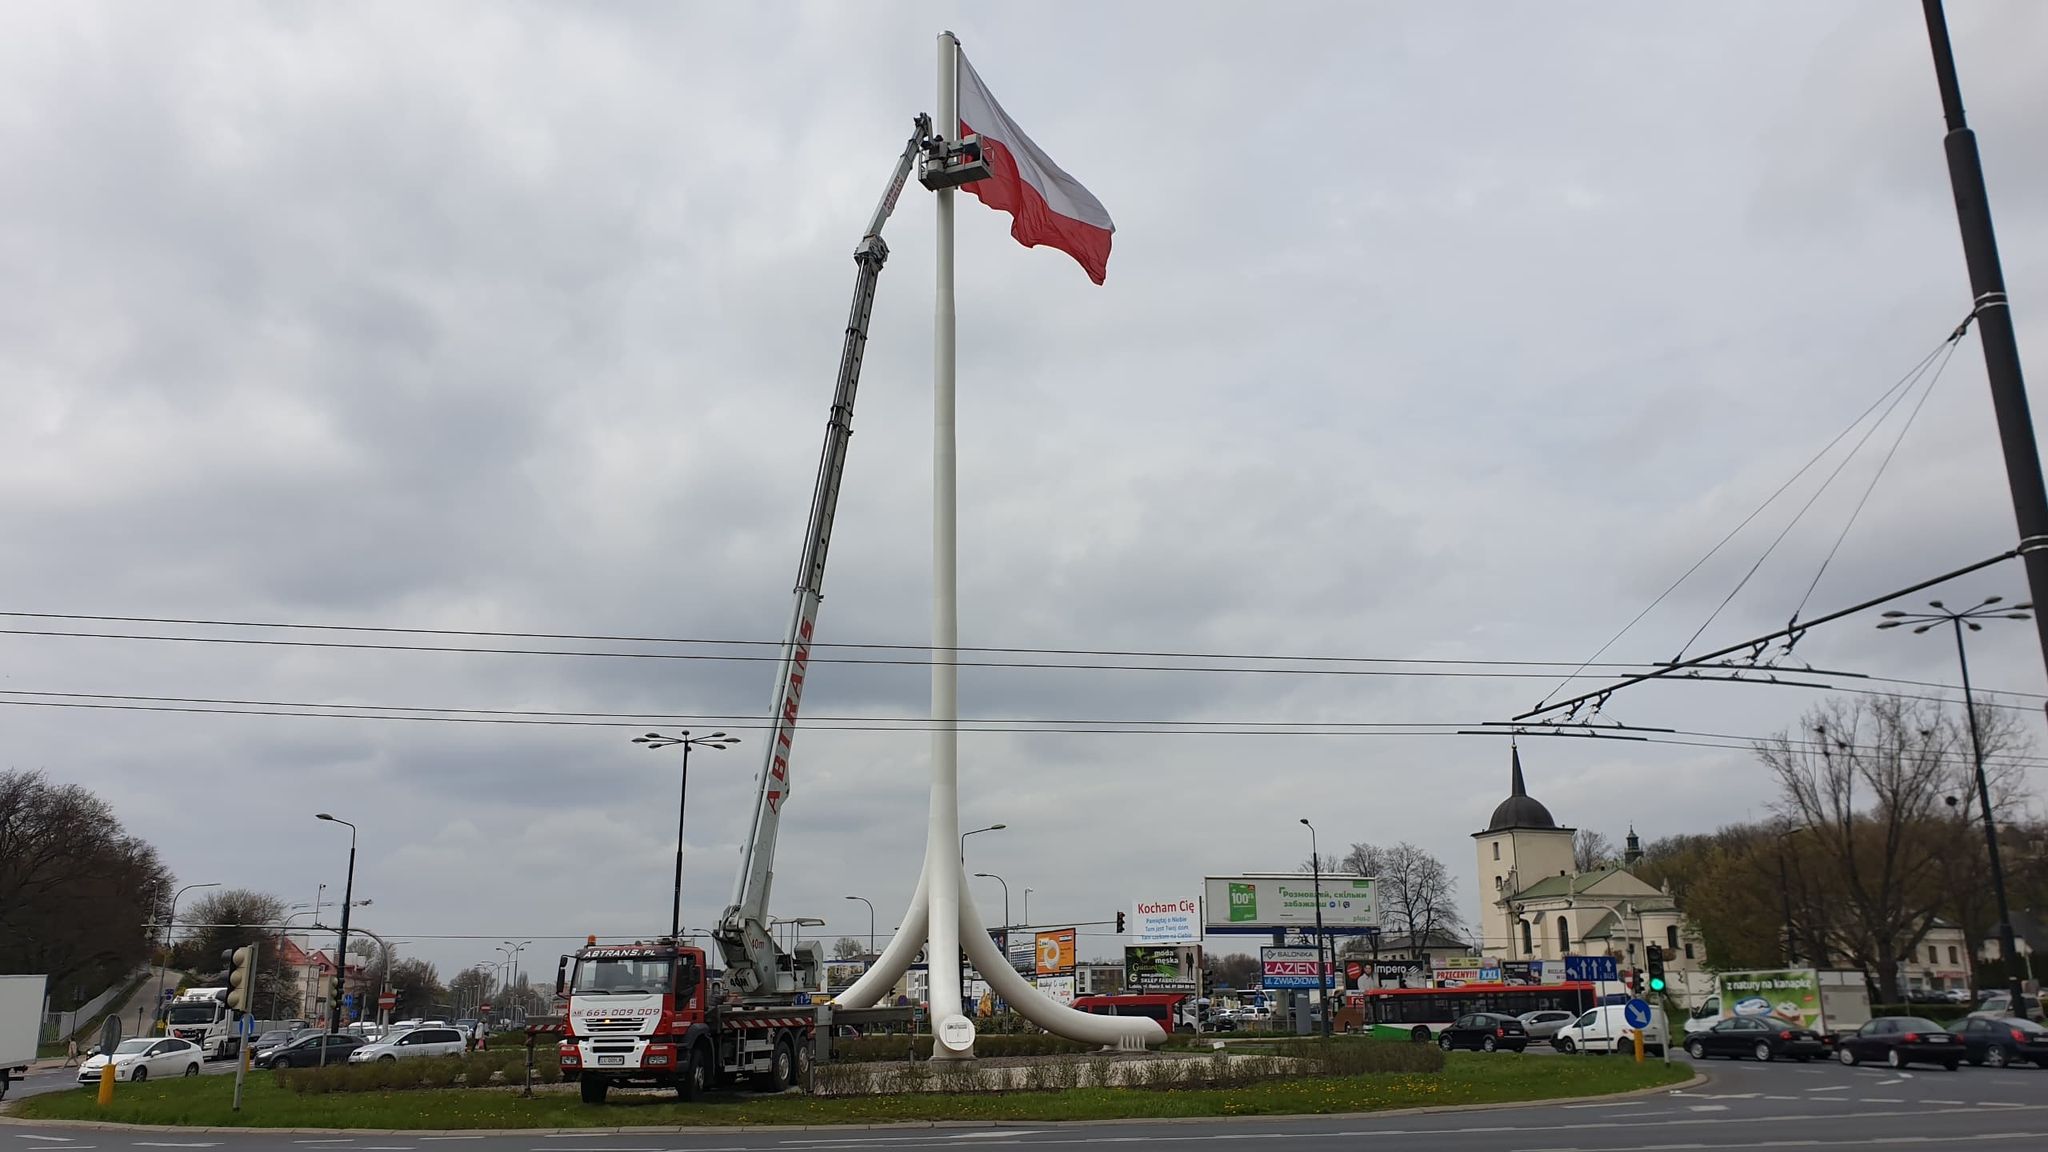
<point>1421,1013</point>
<point>1175,1011</point>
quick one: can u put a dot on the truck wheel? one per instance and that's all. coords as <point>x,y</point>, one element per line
<point>804,1057</point>
<point>781,1067</point>
<point>696,1079</point>
<point>593,1089</point>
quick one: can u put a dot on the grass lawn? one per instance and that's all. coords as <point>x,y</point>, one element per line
<point>1470,1078</point>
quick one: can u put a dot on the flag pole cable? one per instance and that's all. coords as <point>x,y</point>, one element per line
<point>953,1032</point>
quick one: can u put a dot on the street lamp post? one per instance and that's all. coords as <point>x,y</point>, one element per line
<point>1027,906</point>
<point>171,922</point>
<point>348,896</point>
<point>1322,967</point>
<point>965,835</point>
<point>657,740</point>
<point>1957,621</point>
<point>871,922</point>
<point>1006,901</point>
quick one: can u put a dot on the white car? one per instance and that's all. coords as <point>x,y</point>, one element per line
<point>412,1044</point>
<point>1606,1029</point>
<point>143,1058</point>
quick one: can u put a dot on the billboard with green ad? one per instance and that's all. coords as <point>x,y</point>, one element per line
<point>1789,994</point>
<point>1264,902</point>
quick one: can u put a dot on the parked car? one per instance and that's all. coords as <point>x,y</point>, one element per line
<point>411,1044</point>
<point>142,1058</point>
<point>2002,1042</point>
<point>1761,1037</point>
<point>1998,1006</point>
<point>1957,995</point>
<point>273,1039</point>
<point>1486,1031</point>
<point>1606,1029</point>
<point>304,1050</point>
<point>1544,1024</point>
<point>1899,1041</point>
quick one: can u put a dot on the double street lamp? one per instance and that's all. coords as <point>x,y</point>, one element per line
<point>977,831</point>
<point>1957,621</point>
<point>687,741</point>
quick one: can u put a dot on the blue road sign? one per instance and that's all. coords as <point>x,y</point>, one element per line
<point>1637,1013</point>
<point>1586,969</point>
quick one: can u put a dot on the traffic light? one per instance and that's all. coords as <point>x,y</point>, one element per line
<point>1655,953</point>
<point>1119,923</point>
<point>241,978</point>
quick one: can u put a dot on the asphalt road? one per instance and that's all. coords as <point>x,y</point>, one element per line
<point>67,1078</point>
<point>1744,1106</point>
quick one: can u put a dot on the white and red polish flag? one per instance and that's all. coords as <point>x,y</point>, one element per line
<point>1049,207</point>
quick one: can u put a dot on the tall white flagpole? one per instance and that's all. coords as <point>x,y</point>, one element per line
<point>953,1030</point>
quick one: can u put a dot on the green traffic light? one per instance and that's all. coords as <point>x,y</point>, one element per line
<point>1656,983</point>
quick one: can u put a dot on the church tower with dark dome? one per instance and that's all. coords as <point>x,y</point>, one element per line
<point>1522,844</point>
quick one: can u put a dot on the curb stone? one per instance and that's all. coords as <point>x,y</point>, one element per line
<point>1698,1079</point>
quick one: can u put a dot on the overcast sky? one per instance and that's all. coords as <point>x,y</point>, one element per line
<point>1431,331</point>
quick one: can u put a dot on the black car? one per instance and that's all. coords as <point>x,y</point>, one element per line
<point>2000,1042</point>
<point>1485,1031</point>
<point>1761,1037</point>
<point>304,1052</point>
<point>1902,1040</point>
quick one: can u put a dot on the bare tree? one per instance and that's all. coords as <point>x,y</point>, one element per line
<point>77,892</point>
<point>1330,865</point>
<point>847,948</point>
<point>1866,785</point>
<point>1591,849</point>
<point>1417,895</point>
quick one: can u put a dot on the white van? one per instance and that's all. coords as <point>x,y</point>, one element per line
<point>1606,1029</point>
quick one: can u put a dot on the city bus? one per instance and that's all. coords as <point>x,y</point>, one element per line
<point>1420,1013</point>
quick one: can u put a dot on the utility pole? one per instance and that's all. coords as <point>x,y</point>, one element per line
<point>1993,313</point>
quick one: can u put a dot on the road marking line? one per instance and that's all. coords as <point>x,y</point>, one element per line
<point>1830,1088</point>
<point>1883,1083</point>
<point>30,1136</point>
<point>1707,1107</point>
<point>1932,1101</point>
<point>337,1140</point>
<point>1004,1132</point>
<point>1881,1100</point>
<point>175,1144</point>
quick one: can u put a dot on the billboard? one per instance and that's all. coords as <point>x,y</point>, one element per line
<point>1290,968</point>
<point>1162,968</point>
<point>1177,921</point>
<point>1263,903</point>
<point>1055,952</point>
<point>1791,994</point>
<point>1059,989</point>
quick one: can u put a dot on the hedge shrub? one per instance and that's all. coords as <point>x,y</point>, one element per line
<point>475,1070</point>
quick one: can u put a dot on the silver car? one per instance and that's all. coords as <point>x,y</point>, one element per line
<point>411,1044</point>
<point>1544,1024</point>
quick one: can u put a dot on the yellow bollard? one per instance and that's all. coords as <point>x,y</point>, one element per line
<point>106,1083</point>
<point>1639,1047</point>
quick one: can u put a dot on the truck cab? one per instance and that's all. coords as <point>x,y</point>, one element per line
<point>646,1015</point>
<point>201,1016</point>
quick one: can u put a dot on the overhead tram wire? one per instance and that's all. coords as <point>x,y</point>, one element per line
<point>1349,729</point>
<point>1949,346</point>
<point>1434,668</point>
<point>1901,383</point>
<point>1882,465</point>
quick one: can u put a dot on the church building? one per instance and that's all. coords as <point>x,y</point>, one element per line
<point>1536,906</point>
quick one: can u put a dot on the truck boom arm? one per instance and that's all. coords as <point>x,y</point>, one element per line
<point>754,965</point>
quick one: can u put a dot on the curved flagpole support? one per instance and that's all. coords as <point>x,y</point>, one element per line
<point>1036,1006</point>
<point>895,959</point>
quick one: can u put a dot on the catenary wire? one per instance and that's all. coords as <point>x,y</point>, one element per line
<point>1758,511</point>
<point>1811,501</point>
<point>1876,476</point>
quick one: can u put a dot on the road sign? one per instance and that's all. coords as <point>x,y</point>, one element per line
<point>1586,969</point>
<point>484,1007</point>
<point>387,1000</point>
<point>1637,1013</point>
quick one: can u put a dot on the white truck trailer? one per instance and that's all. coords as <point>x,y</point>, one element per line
<point>21,1020</point>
